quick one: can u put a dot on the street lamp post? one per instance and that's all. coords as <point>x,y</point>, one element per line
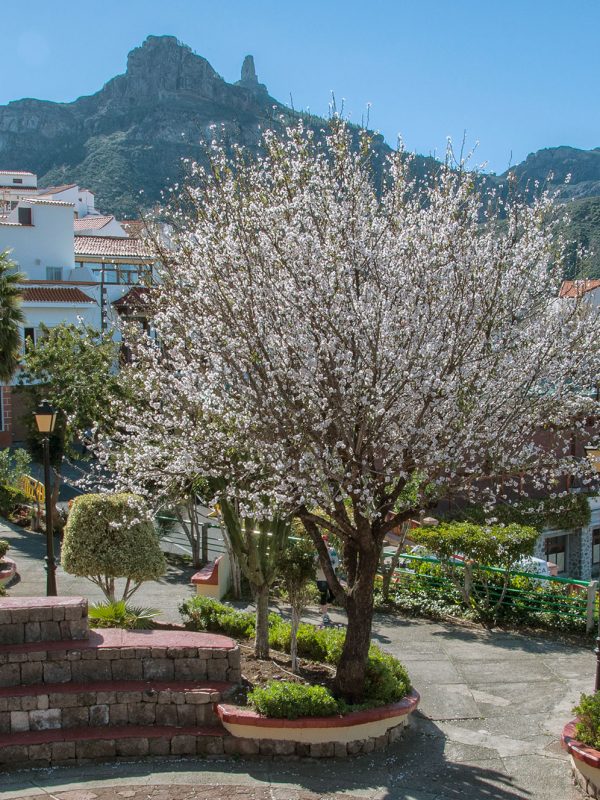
<point>593,456</point>
<point>45,418</point>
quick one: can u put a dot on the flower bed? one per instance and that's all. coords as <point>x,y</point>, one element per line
<point>340,735</point>
<point>302,716</point>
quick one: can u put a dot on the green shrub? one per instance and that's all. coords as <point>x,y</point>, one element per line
<point>587,729</point>
<point>4,548</point>
<point>13,465</point>
<point>387,680</point>
<point>10,498</point>
<point>205,614</point>
<point>109,536</point>
<point>121,615</point>
<point>556,513</point>
<point>287,700</point>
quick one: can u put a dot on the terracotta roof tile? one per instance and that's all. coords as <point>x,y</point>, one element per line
<point>15,172</point>
<point>38,294</point>
<point>111,246</point>
<point>135,297</point>
<point>578,288</point>
<point>92,222</point>
<point>58,189</point>
<point>42,201</point>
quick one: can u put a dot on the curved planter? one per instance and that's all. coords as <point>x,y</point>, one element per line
<point>358,726</point>
<point>585,761</point>
<point>8,570</point>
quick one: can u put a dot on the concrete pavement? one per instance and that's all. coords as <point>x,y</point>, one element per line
<point>493,705</point>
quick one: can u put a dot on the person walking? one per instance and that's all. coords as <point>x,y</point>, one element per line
<point>325,594</point>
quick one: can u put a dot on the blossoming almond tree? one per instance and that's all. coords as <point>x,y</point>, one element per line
<point>348,337</point>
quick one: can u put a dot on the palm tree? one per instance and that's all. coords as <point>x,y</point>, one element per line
<point>11,317</point>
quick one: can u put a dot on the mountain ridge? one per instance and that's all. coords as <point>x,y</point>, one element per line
<point>126,142</point>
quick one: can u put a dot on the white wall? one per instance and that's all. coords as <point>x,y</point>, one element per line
<point>48,242</point>
<point>52,314</point>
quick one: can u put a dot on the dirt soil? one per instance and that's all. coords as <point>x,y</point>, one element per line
<point>256,672</point>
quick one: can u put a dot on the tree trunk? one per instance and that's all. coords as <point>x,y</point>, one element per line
<point>350,675</point>
<point>261,598</point>
<point>57,520</point>
<point>196,563</point>
<point>294,637</point>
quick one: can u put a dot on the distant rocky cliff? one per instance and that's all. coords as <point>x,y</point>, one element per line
<point>126,141</point>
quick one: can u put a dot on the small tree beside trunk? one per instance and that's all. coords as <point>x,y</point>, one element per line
<point>297,571</point>
<point>258,545</point>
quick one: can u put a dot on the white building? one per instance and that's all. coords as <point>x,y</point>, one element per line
<point>13,186</point>
<point>78,265</point>
<point>81,199</point>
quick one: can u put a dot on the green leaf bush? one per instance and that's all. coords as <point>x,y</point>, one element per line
<point>587,729</point>
<point>387,680</point>
<point>121,615</point>
<point>10,498</point>
<point>4,547</point>
<point>289,700</point>
<point>426,590</point>
<point>554,513</point>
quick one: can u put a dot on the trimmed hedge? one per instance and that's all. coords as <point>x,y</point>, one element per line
<point>386,679</point>
<point>289,700</point>
<point>4,546</point>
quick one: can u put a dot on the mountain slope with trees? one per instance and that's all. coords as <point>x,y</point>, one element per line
<point>127,142</point>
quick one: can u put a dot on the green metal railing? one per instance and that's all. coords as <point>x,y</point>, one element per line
<point>565,598</point>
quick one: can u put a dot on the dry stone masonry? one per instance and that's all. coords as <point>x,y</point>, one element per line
<point>70,694</point>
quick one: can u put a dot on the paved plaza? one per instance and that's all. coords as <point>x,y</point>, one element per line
<point>493,705</point>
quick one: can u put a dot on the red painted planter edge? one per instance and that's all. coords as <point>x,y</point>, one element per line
<point>579,751</point>
<point>242,716</point>
<point>8,569</point>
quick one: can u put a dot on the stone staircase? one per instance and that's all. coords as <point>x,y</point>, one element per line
<point>68,693</point>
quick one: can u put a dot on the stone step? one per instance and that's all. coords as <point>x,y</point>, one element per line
<point>39,707</point>
<point>115,654</point>
<point>52,747</point>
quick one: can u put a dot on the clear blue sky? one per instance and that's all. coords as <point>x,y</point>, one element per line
<point>516,75</point>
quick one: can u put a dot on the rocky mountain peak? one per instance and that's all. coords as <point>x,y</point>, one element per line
<point>162,65</point>
<point>249,78</point>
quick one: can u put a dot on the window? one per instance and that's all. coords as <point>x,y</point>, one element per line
<point>596,546</point>
<point>54,273</point>
<point>28,337</point>
<point>17,180</point>
<point>25,216</point>
<point>556,552</point>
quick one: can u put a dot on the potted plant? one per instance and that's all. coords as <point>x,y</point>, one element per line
<point>581,739</point>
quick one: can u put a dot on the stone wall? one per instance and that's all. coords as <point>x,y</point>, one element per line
<point>24,666</point>
<point>96,708</point>
<point>33,619</point>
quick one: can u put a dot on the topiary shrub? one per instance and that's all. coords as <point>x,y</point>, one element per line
<point>288,700</point>
<point>109,536</point>
<point>587,729</point>
<point>465,550</point>
<point>4,547</point>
